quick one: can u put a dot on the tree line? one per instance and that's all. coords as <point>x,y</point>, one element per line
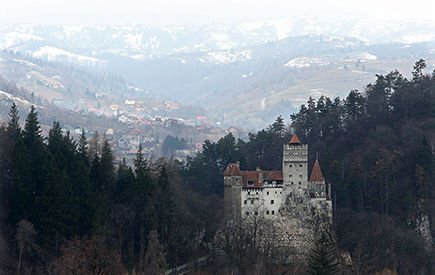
<point>62,196</point>
<point>62,199</point>
<point>375,148</point>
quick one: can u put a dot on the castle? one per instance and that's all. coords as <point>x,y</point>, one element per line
<point>301,206</point>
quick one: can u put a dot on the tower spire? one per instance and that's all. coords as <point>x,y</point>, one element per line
<point>294,140</point>
<point>316,174</point>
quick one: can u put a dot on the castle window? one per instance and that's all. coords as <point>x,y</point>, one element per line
<point>290,176</point>
<point>273,212</point>
<point>252,201</point>
<point>300,183</point>
<point>247,213</point>
<point>292,183</point>
<point>275,192</point>
<point>267,193</point>
<point>272,201</point>
<point>245,202</point>
<point>250,182</point>
<point>267,212</point>
<point>256,193</point>
<point>291,165</point>
<point>249,193</point>
<point>300,165</point>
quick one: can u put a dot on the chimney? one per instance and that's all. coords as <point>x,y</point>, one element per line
<point>329,192</point>
<point>238,164</point>
<point>260,175</point>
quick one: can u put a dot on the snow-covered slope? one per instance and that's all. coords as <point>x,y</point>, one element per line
<point>238,70</point>
<point>92,43</point>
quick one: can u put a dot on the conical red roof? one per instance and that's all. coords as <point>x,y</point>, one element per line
<point>233,169</point>
<point>316,174</point>
<point>294,140</point>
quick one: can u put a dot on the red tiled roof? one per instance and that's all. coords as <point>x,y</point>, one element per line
<point>316,174</point>
<point>294,140</point>
<point>233,170</point>
<point>251,176</point>
<point>255,177</point>
<point>273,175</point>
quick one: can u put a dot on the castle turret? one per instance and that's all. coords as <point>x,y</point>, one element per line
<point>317,185</point>
<point>295,165</point>
<point>232,191</point>
<point>316,173</point>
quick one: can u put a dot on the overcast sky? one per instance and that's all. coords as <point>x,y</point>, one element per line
<point>191,12</point>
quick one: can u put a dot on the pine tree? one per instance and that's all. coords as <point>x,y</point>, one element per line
<point>278,127</point>
<point>11,139</point>
<point>165,207</point>
<point>32,130</point>
<point>82,147</point>
<point>107,170</point>
<point>323,259</point>
<point>13,129</point>
<point>124,184</point>
<point>83,186</point>
<point>29,167</point>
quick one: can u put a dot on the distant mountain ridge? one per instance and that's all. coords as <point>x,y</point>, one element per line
<point>243,73</point>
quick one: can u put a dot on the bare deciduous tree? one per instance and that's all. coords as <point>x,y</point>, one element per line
<point>25,237</point>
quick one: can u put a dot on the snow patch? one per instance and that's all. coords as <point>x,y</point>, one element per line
<point>51,82</point>
<point>366,56</point>
<point>283,28</point>
<point>14,38</point>
<point>226,57</point>
<point>13,98</point>
<point>27,63</point>
<point>55,54</point>
<point>134,40</point>
<point>222,41</point>
<point>305,62</point>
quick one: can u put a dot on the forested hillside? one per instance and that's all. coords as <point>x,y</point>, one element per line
<point>63,199</point>
<point>376,150</point>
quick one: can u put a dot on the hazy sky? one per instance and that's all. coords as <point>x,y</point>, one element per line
<point>189,12</point>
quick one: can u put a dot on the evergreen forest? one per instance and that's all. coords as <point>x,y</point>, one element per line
<point>67,207</point>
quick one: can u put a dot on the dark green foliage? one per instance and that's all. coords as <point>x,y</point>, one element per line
<point>378,158</point>
<point>375,148</point>
<point>263,149</point>
<point>171,144</point>
<point>323,258</point>
<point>13,127</point>
<point>165,207</point>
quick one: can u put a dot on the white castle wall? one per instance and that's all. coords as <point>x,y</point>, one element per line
<point>265,202</point>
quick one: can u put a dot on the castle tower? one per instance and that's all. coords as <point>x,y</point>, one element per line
<point>232,192</point>
<point>295,165</point>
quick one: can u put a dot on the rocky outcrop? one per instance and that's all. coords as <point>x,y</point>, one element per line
<point>301,219</point>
